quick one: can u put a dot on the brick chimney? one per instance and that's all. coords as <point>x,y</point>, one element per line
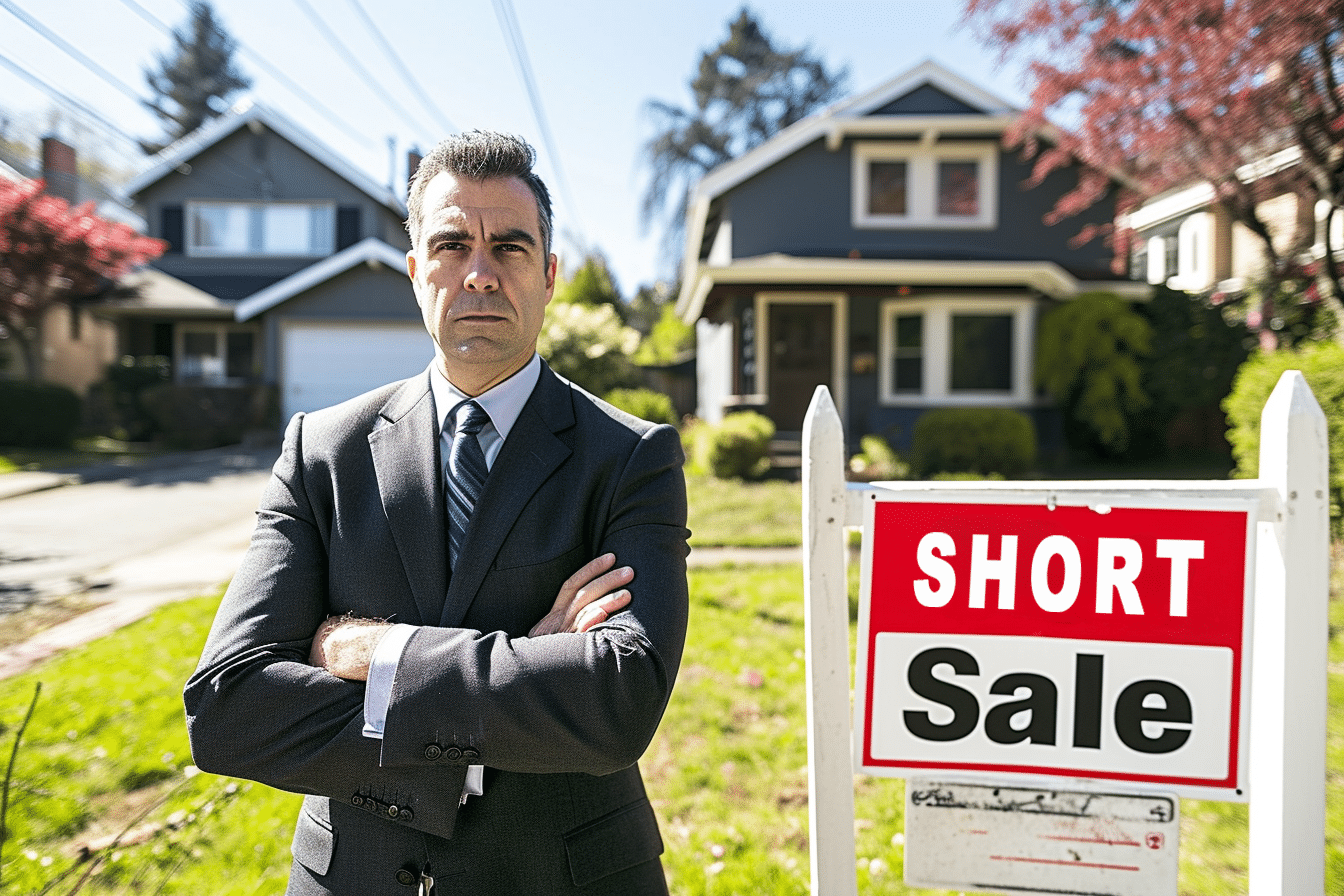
<point>413,160</point>
<point>58,169</point>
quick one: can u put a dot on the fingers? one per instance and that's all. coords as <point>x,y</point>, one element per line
<point>586,574</point>
<point>588,597</point>
<point>601,610</point>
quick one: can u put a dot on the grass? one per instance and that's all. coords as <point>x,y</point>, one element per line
<point>750,514</point>
<point>82,453</point>
<point>727,769</point>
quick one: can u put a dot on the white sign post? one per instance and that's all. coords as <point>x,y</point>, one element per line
<point>1034,640</point>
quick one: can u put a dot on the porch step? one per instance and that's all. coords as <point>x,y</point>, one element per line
<point>786,451</point>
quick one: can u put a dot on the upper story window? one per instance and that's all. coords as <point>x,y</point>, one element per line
<point>954,350</point>
<point>261,228</point>
<point>945,185</point>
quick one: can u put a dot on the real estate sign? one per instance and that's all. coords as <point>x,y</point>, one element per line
<point>1029,637</point>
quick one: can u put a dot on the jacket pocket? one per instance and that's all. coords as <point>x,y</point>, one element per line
<point>616,841</point>
<point>314,842</point>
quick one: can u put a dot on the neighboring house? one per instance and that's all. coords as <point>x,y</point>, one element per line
<point>888,248</point>
<point>1181,238</point>
<point>285,266</point>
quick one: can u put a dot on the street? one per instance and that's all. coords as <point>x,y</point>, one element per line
<point>142,537</point>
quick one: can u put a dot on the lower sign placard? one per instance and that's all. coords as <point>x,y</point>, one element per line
<point>976,836</point>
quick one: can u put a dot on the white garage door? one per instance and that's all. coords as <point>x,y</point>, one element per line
<point>323,364</point>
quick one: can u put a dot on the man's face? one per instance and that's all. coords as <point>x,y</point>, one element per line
<point>481,277</point>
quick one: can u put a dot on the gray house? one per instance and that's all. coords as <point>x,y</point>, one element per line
<point>889,248</point>
<point>285,267</point>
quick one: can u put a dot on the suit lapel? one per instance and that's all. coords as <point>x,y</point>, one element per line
<point>529,456</point>
<point>405,452</point>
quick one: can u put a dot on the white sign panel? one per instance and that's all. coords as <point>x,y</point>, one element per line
<point>969,836</point>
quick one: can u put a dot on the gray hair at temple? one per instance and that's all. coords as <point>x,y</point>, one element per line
<point>478,155</point>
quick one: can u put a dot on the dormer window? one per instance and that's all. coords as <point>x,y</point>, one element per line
<point>920,185</point>
<point>261,228</point>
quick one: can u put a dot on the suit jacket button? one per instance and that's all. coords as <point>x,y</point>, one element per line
<point>433,752</point>
<point>407,815</point>
<point>452,754</point>
<point>471,754</point>
<point>357,800</point>
<point>406,877</point>
<point>393,811</point>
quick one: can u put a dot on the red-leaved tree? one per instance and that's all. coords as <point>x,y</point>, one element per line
<point>1243,94</point>
<point>50,253</point>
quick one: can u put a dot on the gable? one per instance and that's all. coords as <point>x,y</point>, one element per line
<point>927,99</point>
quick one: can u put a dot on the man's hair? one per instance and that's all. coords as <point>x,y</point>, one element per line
<point>478,155</point>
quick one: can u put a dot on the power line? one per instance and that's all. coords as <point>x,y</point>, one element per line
<point>513,37</point>
<point>271,70</point>
<point>68,100</point>
<point>353,61</point>
<point>79,56</point>
<point>420,92</point>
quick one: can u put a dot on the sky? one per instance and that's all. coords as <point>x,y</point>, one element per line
<point>595,65</point>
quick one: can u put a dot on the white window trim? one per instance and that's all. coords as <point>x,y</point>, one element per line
<point>937,350</point>
<point>193,249</point>
<point>839,303</point>
<point>221,333</point>
<point>1194,254</point>
<point>922,160</point>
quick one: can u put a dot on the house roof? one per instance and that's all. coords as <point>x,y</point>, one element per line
<point>161,293</point>
<point>249,114</point>
<point>371,251</point>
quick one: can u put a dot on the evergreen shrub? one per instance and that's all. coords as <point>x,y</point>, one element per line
<point>737,448</point>
<point>973,440</point>
<point>1322,365</point>
<point>37,415</point>
<point>644,403</point>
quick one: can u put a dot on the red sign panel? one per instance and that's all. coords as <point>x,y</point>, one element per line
<point>1035,639</point>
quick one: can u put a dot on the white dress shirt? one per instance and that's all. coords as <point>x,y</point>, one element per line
<point>502,403</point>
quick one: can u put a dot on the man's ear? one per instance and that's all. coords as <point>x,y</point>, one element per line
<point>410,264</point>
<point>551,265</point>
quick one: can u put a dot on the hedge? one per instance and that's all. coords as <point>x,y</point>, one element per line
<point>973,440</point>
<point>37,415</point>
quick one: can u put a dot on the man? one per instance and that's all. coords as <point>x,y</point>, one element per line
<point>456,673</point>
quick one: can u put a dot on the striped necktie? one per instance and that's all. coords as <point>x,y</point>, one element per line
<point>466,472</point>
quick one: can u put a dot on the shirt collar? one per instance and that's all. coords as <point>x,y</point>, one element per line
<point>503,402</point>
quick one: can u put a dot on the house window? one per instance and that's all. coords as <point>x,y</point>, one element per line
<point>260,228</point>
<point>1194,270</point>
<point>956,350</point>
<point>216,355</point>
<point>945,185</point>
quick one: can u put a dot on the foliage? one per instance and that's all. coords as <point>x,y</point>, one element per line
<point>646,404</point>
<point>737,448</point>
<point>196,417</point>
<point>668,341</point>
<point>1322,366</point>
<point>1195,354</point>
<point>592,285</point>
<point>192,83</point>
<point>53,253</point>
<point>119,400</point>
<point>589,345</point>
<point>745,90</point>
<point>877,461</point>
<point>973,440</point>
<point>1200,91</point>
<point>1089,357</point>
<point>37,415</point>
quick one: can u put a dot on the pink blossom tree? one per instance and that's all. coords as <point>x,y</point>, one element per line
<point>51,253</point>
<point>1245,95</point>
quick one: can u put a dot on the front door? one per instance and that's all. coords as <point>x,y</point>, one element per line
<point>802,357</point>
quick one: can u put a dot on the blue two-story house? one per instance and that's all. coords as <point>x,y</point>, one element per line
<point>890,248</point>
<point>285,266</point>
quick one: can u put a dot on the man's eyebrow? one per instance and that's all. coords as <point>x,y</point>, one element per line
<point>454,234</point>
<point>514,235</point>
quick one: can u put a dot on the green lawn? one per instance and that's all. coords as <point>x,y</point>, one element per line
<point>727,770</point>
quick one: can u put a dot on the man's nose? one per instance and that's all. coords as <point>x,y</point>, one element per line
<point>481,276</point>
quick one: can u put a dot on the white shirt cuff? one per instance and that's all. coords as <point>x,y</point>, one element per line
<point>382,672</point>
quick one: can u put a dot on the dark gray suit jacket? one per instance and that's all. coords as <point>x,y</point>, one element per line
<point>353,521</point>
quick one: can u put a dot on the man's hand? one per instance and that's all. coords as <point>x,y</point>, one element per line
<point>344,646</point>
<point>588,597</point>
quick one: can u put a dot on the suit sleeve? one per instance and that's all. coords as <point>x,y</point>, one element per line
<point>586,702</point>
<point>257,710</point>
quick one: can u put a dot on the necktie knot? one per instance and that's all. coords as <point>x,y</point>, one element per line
<point>471,418</point>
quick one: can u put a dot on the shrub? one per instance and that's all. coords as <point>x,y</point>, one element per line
<point>973,440</point>
<point>1322,365</point>
<point>1089,358</point>
<point>644,403</point>
<point>196,417</point>
<point>739,447</point>
<point>877,461</point>
<point>589,345</point>
<point>37,415</point>
<point>119,396</point>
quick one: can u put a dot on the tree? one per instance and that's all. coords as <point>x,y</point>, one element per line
<point>592,284</point>
<point>1246,96</point>
<point>52,253</point>
<point>745,90</point>
<point>192,83</point>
